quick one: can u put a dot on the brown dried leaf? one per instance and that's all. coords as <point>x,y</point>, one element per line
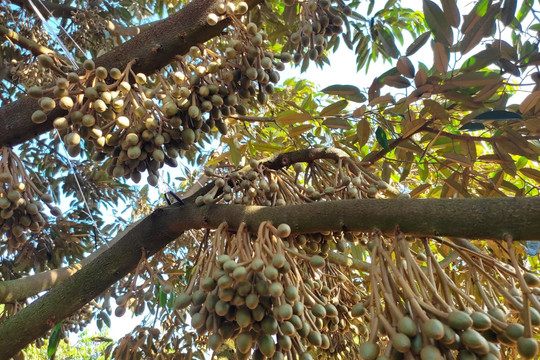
<point>405,67</point>
<point>441,57</point>
<point>363,132</point>
<point>451,12</point>
<point>359,112</point>
<point>529,102</point>
<point>385,99</point>
<point>531,173</point>
<point>421,78</point>
<point>412,127</point>
<point>458,158</point>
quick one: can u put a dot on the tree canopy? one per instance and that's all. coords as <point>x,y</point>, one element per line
<point>395,221</point>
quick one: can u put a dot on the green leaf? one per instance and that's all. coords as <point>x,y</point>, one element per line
<point>418,43</point>
<point>54,340</point>
<point>382,138</point>
<point>437,23</point>
<point>162,298</point>
<point>337,123</point>
<point>481,59</point>
<point>271,148</point>
<point>524,10</point>
<point>289,117</point>
<point>498,115</point>
<point>508,10</point>
<point>388,43</point>
<point>236,155</point>
<point>348,92</point>
<point>334,108</point>
<point>472,126</point>
<point>389,5</point>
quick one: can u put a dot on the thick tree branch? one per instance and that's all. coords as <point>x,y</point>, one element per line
<point>66,12</point>
<point>23,288</point>
<point>153,49</point>
<point>473,218</point>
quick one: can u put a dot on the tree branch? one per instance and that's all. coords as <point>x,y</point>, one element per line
<point>172,36</point>
<point>66,12</point>
<point>32,46</point>
<point>473,218</point>
<point>284,160</point>
<point>493,139</point>
<point>23,288</point>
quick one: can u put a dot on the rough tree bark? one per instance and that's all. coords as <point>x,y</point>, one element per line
<point>473,218</point>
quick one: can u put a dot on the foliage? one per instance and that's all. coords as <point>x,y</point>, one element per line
<point>453,124</point>
<point>87,347</point>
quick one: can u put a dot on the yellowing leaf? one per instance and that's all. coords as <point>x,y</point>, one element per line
<point>334,108</point>
<point>337,123</point>
<point>458,158</point>
<point>265,147</point>
<point>218,159</point>
<point>412,127</point>
<point>297,130</point>
<point>436,110</point>
<point>363,132</point>
<point>235,151</point>
<point>419,189</point>
<point>289,117</point>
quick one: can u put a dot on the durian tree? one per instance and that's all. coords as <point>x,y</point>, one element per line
<point>393,222</point>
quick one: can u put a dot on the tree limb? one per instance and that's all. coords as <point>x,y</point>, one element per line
<point>32,46</point>
<point>474,218</point>
<point>66,12</point>
<point>23,288</point>
<point>284,160</point>
<point>153,48</point>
